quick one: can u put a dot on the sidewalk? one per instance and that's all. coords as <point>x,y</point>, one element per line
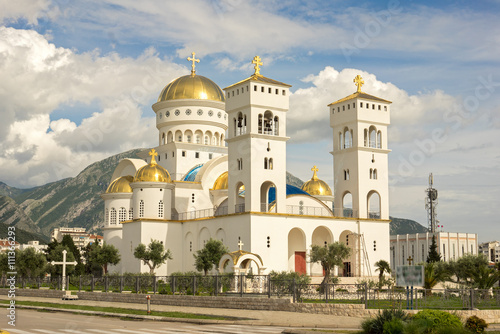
<point>256,318</point>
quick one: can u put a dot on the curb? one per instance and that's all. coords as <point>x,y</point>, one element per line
<point>132,316</point>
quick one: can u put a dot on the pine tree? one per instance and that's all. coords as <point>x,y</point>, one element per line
<point>433,255</point>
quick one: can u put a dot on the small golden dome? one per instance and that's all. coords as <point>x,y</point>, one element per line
<point>315,186</point>
<point>194,87</point>
<point>221,182</point>
<point>120,185</point>
<point>152,172</point>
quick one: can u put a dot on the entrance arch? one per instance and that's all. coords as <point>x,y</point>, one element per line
<point>322,236</point>
<point>351,264</point>
<point>297,250</point>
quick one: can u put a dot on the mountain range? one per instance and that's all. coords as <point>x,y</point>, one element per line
<point>75,202</point>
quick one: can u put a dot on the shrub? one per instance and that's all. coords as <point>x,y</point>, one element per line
<point>394,326</point>
<point>376,325</point>
<point>439,320</point>
<point>475,324</point>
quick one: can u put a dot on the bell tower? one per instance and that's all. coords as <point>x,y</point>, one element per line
<point>256,109</point>
<point>360,155</point>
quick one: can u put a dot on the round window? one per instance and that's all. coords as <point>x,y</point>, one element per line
<point>200,112</point>
<point>210,113</point>
<point>167,113</point>
<point>177,112</point>
<point>188,112</point>
<point>219,114</point>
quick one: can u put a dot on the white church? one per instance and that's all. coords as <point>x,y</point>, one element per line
<point>219,171</point>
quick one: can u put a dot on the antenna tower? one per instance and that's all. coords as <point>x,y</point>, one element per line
<point>431,201</point>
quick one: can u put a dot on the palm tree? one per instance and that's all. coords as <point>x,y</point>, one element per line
<point>382,266</point>
<point>434,272</point>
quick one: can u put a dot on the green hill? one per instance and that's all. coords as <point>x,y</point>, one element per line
<point>405,226</point>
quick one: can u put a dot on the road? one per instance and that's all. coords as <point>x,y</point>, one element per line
<point>35,322</point>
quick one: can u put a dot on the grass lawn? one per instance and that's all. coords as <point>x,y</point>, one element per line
<point>123,310</point>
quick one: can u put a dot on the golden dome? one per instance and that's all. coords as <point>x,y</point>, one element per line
<point>120,185</point>
<point>152,172</point>
<point>192,87</point>
<point>315,186</point>
<point>221,182</point>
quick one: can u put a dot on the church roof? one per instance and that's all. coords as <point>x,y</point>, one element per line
<point>191,175</point>
<point>360,95</point>
<point>290,190</point>
<point>152,172</point>
<point>260,78</point>
<point>315,186</point>
<point>120,185</point>
<point>193,87</point>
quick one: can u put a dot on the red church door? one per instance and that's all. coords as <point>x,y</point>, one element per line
<point>300,262</point>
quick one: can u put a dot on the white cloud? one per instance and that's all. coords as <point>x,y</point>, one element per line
<point>39,78</point>
<point>29,10</point>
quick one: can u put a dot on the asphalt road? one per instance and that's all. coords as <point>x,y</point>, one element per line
<point>35,322</point>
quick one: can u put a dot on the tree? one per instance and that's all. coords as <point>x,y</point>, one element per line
<point>433,255</point>
<point>382,266</point>
<point>103,255</point>
<point>153,255</point>
<point>434,272</point>
<point>69,243</point>
<point>473,271</point>
<point>30,263</point>
<point>209,255</point>
<point>57,255</point>
<point>329,256</point>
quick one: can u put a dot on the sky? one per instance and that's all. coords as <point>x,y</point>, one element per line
<point>78,79</point>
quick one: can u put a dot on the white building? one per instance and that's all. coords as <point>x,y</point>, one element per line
<point>33,244</point>
<point>192,187</point>
<point>79,235</point>
<point>491,250</point>
<point>450,246</point>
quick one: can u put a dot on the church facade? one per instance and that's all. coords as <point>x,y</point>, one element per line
<point>219,171</point>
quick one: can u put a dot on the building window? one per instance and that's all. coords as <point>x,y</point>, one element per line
<point>183,153</point>
<point>106,216</point>
<point>423,253</point>
<point>192,198</point>
<point>122,215</point>
<point>270,163</point>
<point>160,209</point>
<point>284,92</point>
<point>444,252</point>
<point>374,245</point>
<point>268,241</point>
<point>141,208</point>
<point>197,155</point>
<point>346,174</point>
<point>210,155</point>
<point>113,216</point>
<point>131,213</point>
<point>254,88</point>
<point>301,207</point>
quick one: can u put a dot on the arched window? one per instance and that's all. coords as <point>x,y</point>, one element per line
<point>379,139</point>
<point>163,138</point>
<point>347,138</point>
<point>276,126</point>
<point>265,163</point>
<point>122,214</point>
<point>188,135</point>
<point>239,124</point>
<point>170,137</point>
<point>373,202</point>
<point>268,123</point>
<point>178,136</point>
<point>113,216</point>
<point>341,141</point>
<point>160,209</point>
<point>131,213</point>
<point>260,123</point>
<point>373,137</point>
<point>141,209</point>
<point>206,140</point>
<point>371,173</point>
<point>235,127</point>
<point>375,174</point>
<point>347,205</point>
<point>270,163</point>
<point>366,137</point>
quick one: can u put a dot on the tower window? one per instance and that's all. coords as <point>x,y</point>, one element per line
<point>268,241</point>
<point>160,209</point>
<point>192,198</point>
<point>343,108</point>
<point>131,213</point>
<point>113,216</point>
<point>210,155</point>
<point>361,104</point>
<point>277,91</point>
<point>354,105</point>
<point>379,107</point>
<point>122,215</point>
<point>166,156</point>
<point>346,174</point>
<point>173,154</point>
<point>348,106</point>
<point>197,155</point>
<point>269,90</point>
<point>262,89</point>
<point>254,88</point>
<point>141,208</point>
<point>385,108</point>
<point>183,153</point>
<point>284,92</point>
<point>373,106</point>
<point>106,217</point>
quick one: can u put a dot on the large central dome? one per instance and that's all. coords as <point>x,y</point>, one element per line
<point>192,87</point>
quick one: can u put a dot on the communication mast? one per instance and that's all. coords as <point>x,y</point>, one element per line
<point>431,201</point>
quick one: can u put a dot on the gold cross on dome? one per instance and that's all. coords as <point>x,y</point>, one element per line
<point>358,81</point>
<point>315,169</point>
<point>194,60</point>
<point>153,154</point>
<point>258,62</point>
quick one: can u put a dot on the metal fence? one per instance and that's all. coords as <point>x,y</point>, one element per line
<point>264,286</point>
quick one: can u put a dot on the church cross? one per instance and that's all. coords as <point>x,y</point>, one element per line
<point>64,263</point>
<point>193,60</point>
<point>153,154</point>
<point>315,169</point>
<point>410,260</point>
<point>258,62</point>
<point>358,81</point>
<point>240,244</point>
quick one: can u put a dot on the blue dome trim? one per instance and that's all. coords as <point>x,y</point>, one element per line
<point>191,175</point>
<point>290,190</point>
